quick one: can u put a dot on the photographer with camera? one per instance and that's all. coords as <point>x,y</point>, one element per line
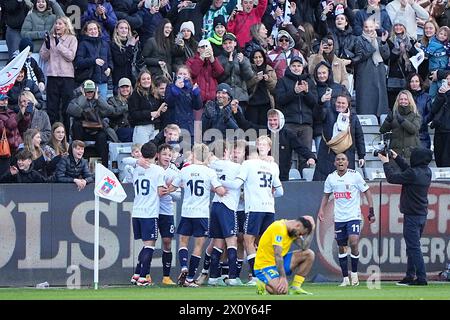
<point>415,180</point>
<point>404,121</point>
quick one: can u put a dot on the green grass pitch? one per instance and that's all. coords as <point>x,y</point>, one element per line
<point>328,291</point>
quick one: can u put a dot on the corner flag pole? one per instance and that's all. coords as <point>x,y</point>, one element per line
<point>96,240</point>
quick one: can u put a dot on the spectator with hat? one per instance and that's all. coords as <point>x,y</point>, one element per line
<point>185,44</point>
<point>240,22</point>
<point>296,96</point>
<point>88,111</point>
<point>284,51</point>
<point>237,69</point>
<point>205,70</point>
<point>409,12</point>
<point>119,118</point>
<point>218,113</point>
<point>216,39</point>
<point>217,8</point>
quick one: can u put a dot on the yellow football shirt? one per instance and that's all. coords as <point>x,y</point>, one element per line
<point>275,234</point>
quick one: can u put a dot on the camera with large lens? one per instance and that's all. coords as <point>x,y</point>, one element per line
<point>383,146</point>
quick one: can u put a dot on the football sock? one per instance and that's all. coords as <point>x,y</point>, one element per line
<point>147,255</point>
<point>251,262</point>
<point>343,263</point>
<point>183,257</point>
<point>224,268</point>
<point>232,262</point>
<point>137,270</point>
<point>355,260</point>
<point>214,268</point>
<point>206,261</point>
<point>167,262</point>
<point>193,265</point>
<point>239,263</point>
<point>298,281</point>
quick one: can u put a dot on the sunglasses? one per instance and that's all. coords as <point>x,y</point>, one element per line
<point>283,40</point>
<point>203,47</point>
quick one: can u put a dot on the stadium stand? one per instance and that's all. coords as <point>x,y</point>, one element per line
<point>294,174</point>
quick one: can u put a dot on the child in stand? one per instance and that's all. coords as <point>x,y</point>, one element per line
<point>131,162</point>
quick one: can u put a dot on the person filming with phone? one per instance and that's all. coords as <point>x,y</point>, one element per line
<point>415,180</point>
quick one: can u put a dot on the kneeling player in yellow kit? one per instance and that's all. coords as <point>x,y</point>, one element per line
<point>274,263</point>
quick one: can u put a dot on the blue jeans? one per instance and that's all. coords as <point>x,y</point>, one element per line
<point>13,38</point>
<point>413,226</point>
<point>102,90</point>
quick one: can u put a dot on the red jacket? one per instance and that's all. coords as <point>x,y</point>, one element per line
<point>205,74</point>
<point>8,120</point>
<point>242,21</point>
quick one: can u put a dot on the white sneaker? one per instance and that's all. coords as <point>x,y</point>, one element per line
<point>218,282</point>
<point>234,282</point>
<point>252,282</point>
<point>190,284</point>
<point>354,277</point>
<point>345,282</point>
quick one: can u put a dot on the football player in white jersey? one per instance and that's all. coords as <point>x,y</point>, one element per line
<point>345,185</point>
<point>198,181</point>
<point>262,184</point>
<point>166,219</point>
<point>149,185</point>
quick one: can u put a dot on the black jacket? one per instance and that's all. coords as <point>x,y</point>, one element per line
<point>415,181</point>
<point>29,176</point>
<point>297,107</point>
<point>68,169</point>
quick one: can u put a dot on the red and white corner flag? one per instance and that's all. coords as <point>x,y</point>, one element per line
<point>107,185</point>
<point>10,72</point>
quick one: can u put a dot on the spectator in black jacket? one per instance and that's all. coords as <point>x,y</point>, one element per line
<point>14,13</point>
<point>296,96</point>
<point>415,181</point>
<point>73,168</point>
<point>280,136</point>
<point>128,10</point>
<point>23,172</point>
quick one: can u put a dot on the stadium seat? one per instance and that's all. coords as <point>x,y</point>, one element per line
<point>368,119</point>
<point>118,151</point>
<point>374,174</point>
<point>294,174</point>
<point>440,174</point>
<point>308,173</point>
<point>382,118</point>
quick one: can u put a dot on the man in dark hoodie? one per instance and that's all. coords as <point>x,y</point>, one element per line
<point>415,181</point>
<point>285,139</point>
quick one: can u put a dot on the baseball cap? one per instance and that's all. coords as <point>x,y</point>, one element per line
<point>296,59</point>
<point>124,82</point>
<point>89,85</point>
<point>228,36</point>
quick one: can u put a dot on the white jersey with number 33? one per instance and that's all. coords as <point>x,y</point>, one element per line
<point>259,178</point>
<point>346,191</point>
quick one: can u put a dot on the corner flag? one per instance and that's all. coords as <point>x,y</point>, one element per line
<point>10,72</point>
<point>107,185</point>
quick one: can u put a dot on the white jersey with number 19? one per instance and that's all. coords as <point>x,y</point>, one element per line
<point>146,198</point>
<point>197,181</point>
<point>259,178</point>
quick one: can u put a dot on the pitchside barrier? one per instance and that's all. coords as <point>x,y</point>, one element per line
<point>47,234</point>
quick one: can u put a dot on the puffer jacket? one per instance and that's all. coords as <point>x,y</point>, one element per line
<point>68,169</point>
<point>344,43</point>
<point>36,23</point>
<point>441,111</point>
<point>106,25</point>
<point>405,133</point>
<point>8,120</point>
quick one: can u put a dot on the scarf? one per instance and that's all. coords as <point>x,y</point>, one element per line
<point>342,123</point>
<point>376,56</point>
<point>402,52</point>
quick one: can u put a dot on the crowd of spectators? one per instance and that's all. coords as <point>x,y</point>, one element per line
<point>124,71</point>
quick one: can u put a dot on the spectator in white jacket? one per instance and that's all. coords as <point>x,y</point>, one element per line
<point>408,11</point>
